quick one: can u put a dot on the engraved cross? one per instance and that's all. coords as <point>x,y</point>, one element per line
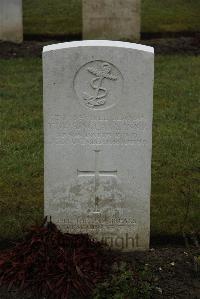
<point>96,173</point>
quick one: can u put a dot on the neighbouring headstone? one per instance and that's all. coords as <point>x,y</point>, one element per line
<point>98,137</point>
<point>111,19</point>
<point>11,24</point>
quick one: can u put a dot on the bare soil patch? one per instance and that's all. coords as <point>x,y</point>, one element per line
<point>168,46</point>
<point>174,270</point>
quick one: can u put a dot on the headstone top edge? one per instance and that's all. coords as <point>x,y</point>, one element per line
<point>98,43</point>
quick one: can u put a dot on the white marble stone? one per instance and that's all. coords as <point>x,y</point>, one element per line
<point>111,19</point>
<point>98,134</point>
<point>11,24</point>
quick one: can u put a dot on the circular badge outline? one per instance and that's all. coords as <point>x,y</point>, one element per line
<point>103,108</point>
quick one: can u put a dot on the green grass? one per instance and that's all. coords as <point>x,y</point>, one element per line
<point>176,145</point>
<point>64,17</point>
<point>175,165</point>
<point>52,17</point>
<point>170,15</point>
<point>21,167</point>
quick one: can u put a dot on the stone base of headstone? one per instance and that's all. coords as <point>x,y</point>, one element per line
<point>11,24</point>
<point>111,19</point>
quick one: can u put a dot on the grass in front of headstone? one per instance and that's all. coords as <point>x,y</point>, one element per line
<point>48,17</point>
<point>175,169</point>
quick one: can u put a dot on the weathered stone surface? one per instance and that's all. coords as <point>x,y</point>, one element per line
<point>11,28</point>
<point>98,135</point>
<point>111,19</point>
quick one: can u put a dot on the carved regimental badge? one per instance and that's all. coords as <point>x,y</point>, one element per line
<point>98,85</point>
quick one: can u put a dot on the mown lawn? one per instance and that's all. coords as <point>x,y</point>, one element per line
<point>170,15</point>
<point>175,165</point>
<point>64,17</point>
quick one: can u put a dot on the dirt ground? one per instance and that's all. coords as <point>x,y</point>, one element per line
<point>170,46</point>
<point>175,272</point>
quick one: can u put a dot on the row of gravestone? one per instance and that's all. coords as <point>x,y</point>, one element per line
<point>103,19</point>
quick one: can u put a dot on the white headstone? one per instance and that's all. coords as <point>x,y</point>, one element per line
<point>11,25</point>
<point>98,136</point>
<point>111,19</point>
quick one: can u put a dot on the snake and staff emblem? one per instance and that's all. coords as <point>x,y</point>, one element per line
<point>100,92</point>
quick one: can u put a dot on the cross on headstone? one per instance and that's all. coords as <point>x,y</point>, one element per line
<point>96,173</point>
